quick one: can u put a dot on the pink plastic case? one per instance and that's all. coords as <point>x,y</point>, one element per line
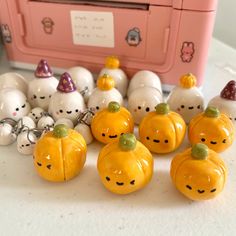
<point>169,37</point>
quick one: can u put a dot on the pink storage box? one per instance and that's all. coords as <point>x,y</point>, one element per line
<point>169,37</point>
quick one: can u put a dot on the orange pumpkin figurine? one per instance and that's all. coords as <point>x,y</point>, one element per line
<point>125,166</point>
<point>198,173</point>
<point>60,155</point>
<point>162,131</point>
<point>212,128</point>
<point>108,124</point>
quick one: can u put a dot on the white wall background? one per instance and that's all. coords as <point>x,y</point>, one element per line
<point>225,27</point>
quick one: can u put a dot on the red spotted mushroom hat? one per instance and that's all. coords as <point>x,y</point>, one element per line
<point>43,70</point>
<point>229,91</point>
<point>66,84</point>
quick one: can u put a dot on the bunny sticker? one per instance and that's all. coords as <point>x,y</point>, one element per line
<point>187,52</point>
<point>6,33</point>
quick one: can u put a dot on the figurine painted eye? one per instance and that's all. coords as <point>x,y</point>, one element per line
<point>17,109</point>
<point>108,178</point>
<point>224,141</point>
<point>213,190</point>
<point>77,110</point>
<point>132,182</point>
<point>199,106</point>
<point>50,96</point>
<point>97,107</point>
<point>166,141</point>
<point>103,135</point>
<point>147,109</point>
<point>147,138</point>
<point>189,187</point>
<point>61,111</point>
<point>39,164</point>
<point>182,106</point>
<point>23,106</point>
<point>201,191</point>
<point>33,114</point>
<point>139,107</point>
<point>203,139</point>
<point>235,118</point>
<point>34,96</point>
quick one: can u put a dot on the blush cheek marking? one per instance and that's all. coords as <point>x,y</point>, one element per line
<point>14,113</point>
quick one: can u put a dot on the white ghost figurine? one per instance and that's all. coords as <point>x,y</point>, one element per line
<point>112,65</point>
<point>26,142</point>
<point>186,99</point>
<point>46,122</point>
<point>36,113</point>
<point>83,80</point>
<point>13,80</point>
<point>42,87</point>
<point>85,131</point>
<point>7,136</point>
<point>65,121</point>
<point>226,101</point>
<point>144,78</point>
<point>13,104</point>
<point>143,100</point>
<point>104,94</point>
<point>67,102</point>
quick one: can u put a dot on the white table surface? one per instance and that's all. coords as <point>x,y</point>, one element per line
<point>82,206</point>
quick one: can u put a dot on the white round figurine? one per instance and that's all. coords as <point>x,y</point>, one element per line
<point>85,131</point>
<point>13,104</point>
<point>112,65</point>
<point>13,80</point>
<point>83,80</point>
<point>226,101</point>
<point>65,121</point>
<point>143,100</point>
<point>67,102</point>
<point>104,94</point>
<point>46,122</point>
<point>26,142</point>
<point>26,123</point>
<point>7,137</point>
<point>42,87</point>
<point>186,99</point>
<point>144,78</point>
<point>36,113</point>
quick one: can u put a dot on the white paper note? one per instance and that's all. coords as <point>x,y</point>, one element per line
<point>92,28</point>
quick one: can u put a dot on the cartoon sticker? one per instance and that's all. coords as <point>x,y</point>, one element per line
<point>187,52</point>
<point>48,25</point>
<point>133,37</point>
<point>6,33</point>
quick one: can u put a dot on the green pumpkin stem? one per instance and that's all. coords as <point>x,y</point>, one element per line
<point>212,112</point>
<point>127,142</point>
<point>60,131</point>
<point>199,151</point>
<point>162,109</point>
<point>113,107</point>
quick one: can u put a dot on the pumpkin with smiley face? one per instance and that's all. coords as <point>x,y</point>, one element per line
<point>162,131</point>
<point>198,173</point>
<point>107,125</point>
<point>59,155</point>
<point>212,128</point>
<point>125,166</point>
